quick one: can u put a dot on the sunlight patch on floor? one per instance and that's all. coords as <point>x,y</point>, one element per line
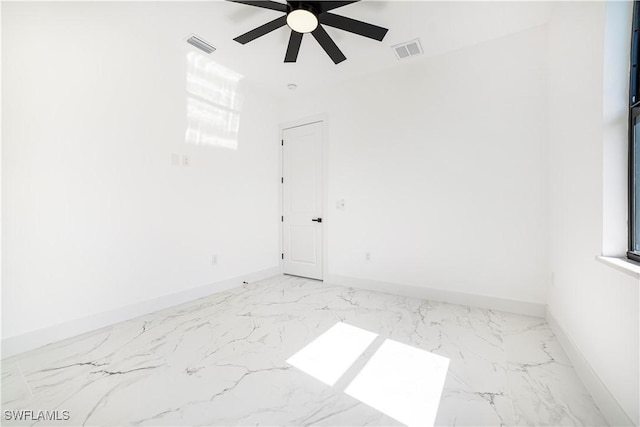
<point>329,356</point>
<point>399,380</point>
<point>402,381</point>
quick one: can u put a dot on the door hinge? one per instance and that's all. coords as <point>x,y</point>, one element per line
<point>282,256</point>
<point>282,218</point>
<point>282,140</point>
<point>281,180</point>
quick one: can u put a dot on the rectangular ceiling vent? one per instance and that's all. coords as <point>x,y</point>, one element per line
<point>407,49</point>
<point>200,44</point>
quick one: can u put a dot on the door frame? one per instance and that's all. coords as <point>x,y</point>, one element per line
<point>324,118</point>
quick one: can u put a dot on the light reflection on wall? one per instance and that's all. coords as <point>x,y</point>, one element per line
<point>214,103</point>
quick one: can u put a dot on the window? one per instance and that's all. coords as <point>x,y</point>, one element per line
<point>634,139</point>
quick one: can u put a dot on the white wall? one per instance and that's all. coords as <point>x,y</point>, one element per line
<point>479,171</point>
<point>442,164</point>
<point>596,306</point>
<point>95,216</point>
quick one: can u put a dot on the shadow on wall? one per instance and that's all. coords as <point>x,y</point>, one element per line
<point>214,103</point>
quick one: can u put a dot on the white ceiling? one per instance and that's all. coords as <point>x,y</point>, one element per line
<point>441,26</point>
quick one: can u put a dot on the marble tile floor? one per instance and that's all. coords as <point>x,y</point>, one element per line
<point>361,358</point>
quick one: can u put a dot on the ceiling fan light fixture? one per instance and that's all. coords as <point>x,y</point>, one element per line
<point>302,21</point>
<point>302,17</point>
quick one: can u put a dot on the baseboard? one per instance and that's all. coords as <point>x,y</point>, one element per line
<point>38,338</point>
<point>442,295</point>
<point>608,404</point>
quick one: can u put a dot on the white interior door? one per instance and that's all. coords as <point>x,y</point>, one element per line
<point>302,197</point>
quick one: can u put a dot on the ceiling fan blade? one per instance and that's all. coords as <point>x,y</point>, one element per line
<point>294,47</point>
<point>273,5</point>
<point>353,26</point>
<point>328,45</point>
<point>262,30</point>
<point>325,6</point>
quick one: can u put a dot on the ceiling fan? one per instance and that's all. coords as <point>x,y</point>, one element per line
<point>306,17</point>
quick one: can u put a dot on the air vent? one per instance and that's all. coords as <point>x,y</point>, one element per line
<point>407,49</point>
<point>200,44</point>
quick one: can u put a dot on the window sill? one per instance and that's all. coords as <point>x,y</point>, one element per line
<point>622,264</point>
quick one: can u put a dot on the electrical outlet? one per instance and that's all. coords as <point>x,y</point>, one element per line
<point>367,256</point>
<point>185,161</point>
<point>214,259</point>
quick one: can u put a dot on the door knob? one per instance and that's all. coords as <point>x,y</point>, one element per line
<point>317,219</point>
